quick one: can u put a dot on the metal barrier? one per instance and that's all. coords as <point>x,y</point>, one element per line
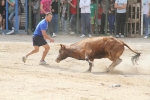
<point>16,17</point>
<point>28,17</point>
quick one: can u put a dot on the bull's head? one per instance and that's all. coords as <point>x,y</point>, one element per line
<point>63,53</point>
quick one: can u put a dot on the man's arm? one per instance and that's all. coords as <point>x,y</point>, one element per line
<point>41,7</point>
<point>148,11</point>
<point>11,3</point>
<point>87,3</point>
<point>120,7</point>
<point>50,8</point>
<point>46,36</point>
<point>74,6</point>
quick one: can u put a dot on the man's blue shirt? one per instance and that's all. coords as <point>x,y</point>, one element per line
<point>43,25</point>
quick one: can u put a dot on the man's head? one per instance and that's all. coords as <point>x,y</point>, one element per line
<point>48,16</point>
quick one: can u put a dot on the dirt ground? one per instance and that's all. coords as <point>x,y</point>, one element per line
<point>67,80</point>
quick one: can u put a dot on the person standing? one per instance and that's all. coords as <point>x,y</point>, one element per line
<point>104,11</point>
<point>55,17</point>
<point>73,11</point>
<point>92,15</point>
<point>39,39</point>
<point>111,16</point>
<point>85,17</point>
<point>45,6</point>
<point>99,17</point>
<point>146,16</point>
<point>120,5</point>
<point>35,8</point>
<point>12,15</point>
<point>2,14</point>
<point>11,11</point>
<point>64,9</point>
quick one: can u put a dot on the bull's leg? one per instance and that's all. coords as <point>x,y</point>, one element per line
<point>90,61</point>
<point>114,64</point>
<point>90,65</point>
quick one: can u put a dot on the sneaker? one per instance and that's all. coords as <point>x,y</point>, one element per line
<point>117,36</point>
<point>82,35</point>
<point>145,37</point>
<point>90,35</point>
<point>54,35</point>
<point>122,36</point>
<point>11,32</point>
<point>43,63</point>
<point>13,28</point>
<point>24,59</point>
<point>72,32</point>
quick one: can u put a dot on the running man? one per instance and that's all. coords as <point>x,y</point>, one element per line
<point>39,39</point>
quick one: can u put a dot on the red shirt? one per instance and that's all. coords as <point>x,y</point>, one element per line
<point>73,10</point>
<point>46,5</point>
<point>99,11</point>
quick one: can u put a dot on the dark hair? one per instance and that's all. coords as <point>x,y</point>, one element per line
<point>48,13</point>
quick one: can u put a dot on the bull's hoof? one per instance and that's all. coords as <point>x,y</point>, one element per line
<point>109,70</point>
<point>114,72</point>
<point>88,71</point>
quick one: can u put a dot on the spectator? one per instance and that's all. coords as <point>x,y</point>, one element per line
<point>11,12</point>
<point>45,7</point>
<point>111,16</point>
<point>92,15</point>
<point>99,17</point>
<point>64,17</point>
<point>146,16</point>
<point>35,8</point>
<point>85,17</point>
<point>120,16</point>
<point>55,17</point>
<point>2,14</point>
<point>103,4</point>
<point>11,9</point>
<point>73,11</point>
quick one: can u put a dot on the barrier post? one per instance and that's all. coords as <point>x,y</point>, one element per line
<point>96,20</point>
<point>30,19</point>
<point>6,16</point>
<point>58,16</point>
<point>106,18</point>
<point>77,17</point>
<point>16,17</point>
<point>26,15</point>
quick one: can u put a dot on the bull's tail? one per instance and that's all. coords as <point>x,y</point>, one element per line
<point>134,58</point>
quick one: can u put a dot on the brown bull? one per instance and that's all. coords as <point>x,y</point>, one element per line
<point>96,48</point>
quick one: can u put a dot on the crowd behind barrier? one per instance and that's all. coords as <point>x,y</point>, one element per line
<point>105,17</point>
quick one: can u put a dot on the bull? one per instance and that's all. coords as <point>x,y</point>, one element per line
<point>96,48</point>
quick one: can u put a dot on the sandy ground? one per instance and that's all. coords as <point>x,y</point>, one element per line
<point>67,80</point>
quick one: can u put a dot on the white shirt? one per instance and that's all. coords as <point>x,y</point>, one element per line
<point>85,6</point>
<point>146,6</point>
<point>121,3</point>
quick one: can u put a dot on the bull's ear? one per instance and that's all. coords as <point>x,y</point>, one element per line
<point>62,46</point>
